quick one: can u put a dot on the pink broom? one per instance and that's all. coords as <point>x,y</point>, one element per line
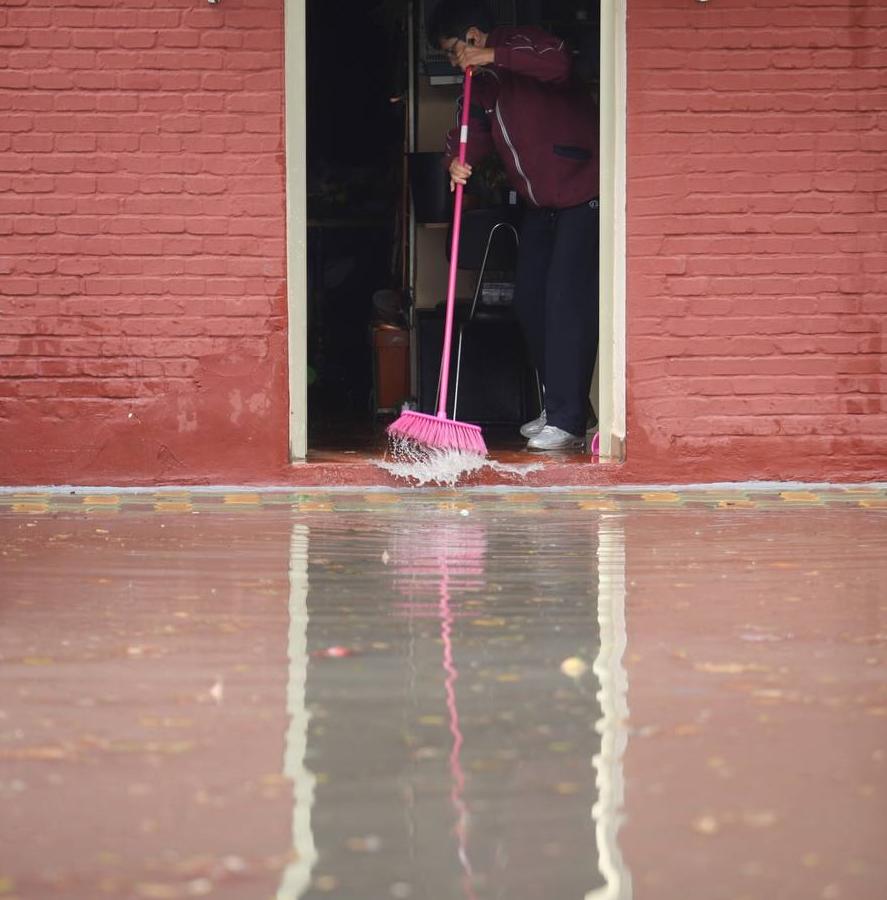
<point>439,431</point>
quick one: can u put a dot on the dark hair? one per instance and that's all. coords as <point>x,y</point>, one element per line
<point>452,18</point>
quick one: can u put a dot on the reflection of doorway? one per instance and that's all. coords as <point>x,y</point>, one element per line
<point>453,700</point>
<point>347,385</point>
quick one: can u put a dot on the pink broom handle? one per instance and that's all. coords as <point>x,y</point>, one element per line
<point>454,255</point>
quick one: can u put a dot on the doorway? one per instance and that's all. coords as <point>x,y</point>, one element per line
<point>352,246</point>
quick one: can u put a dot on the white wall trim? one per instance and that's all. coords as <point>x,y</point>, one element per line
<point>614,104</point>
<point>295,77</point>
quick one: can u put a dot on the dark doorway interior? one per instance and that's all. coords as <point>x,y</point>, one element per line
<point>355,145</point>
<point>357,68</point>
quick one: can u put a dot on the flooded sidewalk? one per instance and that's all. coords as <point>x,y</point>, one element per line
<point>444,694</point>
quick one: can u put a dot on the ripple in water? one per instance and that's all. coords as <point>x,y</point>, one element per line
<point>421,465</point>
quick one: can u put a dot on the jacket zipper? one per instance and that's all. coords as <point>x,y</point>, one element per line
<point>517,164</point>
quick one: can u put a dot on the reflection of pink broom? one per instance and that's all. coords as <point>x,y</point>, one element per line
<point>439,431</point>
<point>459,551</point>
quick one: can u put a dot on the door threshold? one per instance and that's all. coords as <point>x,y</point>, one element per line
<point>506,468</point>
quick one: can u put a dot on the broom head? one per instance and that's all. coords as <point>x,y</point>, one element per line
<point>438,433</point>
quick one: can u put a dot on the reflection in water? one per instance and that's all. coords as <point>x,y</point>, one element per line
<point>297,875</point>
<point>449,706</point>
<point>460,553</point>
<point>445,553</point>
<point>607,812</point>
<point>456,773</point>
<point>153,645</point>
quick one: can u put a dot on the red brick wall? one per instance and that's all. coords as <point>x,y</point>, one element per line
<point>142,309</point>
<point>142,292</point>
<point>757,239</point>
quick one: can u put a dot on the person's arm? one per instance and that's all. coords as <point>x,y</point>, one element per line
<point>535,54</point>
<point>480,143</point>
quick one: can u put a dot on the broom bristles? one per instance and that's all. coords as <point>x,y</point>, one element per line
<point>444,434</point>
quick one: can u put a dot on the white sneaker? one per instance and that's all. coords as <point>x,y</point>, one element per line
<point>531,429</point>
<point>553,438</point>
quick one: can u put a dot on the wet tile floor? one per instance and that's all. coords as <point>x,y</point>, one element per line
<point>443,694</point>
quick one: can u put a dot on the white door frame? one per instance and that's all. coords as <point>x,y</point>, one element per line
<point>611,352</point>
<point>611,412</point>
<point>295,110</point>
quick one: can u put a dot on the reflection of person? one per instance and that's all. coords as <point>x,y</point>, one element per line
<point>528,107</point>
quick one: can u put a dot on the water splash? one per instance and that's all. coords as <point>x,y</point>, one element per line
<point>421,465</point>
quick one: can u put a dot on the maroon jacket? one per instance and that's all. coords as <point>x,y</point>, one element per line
<point>542,123</point>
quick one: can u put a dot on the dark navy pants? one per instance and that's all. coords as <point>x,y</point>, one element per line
<point>556,302</point>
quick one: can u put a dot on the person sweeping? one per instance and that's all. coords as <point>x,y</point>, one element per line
<point>531,110</point>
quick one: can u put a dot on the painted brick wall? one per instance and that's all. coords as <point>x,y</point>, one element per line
<point>142,312</point>
<point>142,293</point>
<point>757,220</point>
